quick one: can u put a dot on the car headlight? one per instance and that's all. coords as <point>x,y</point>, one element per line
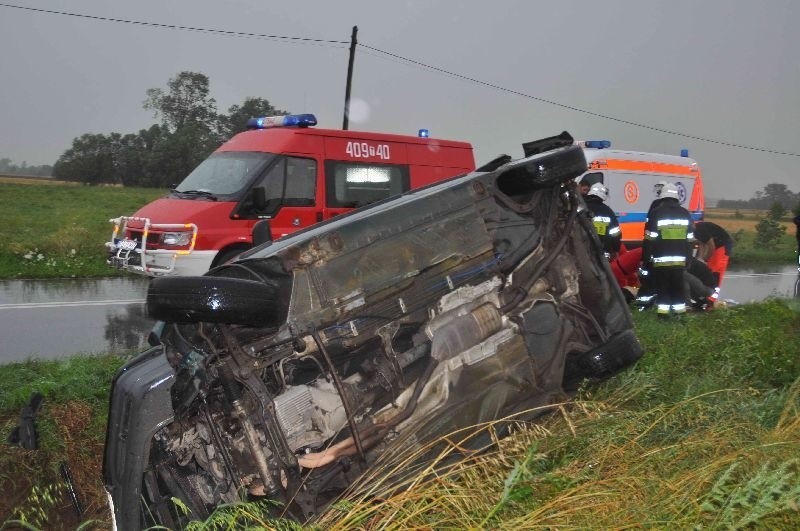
<point>176,238</point>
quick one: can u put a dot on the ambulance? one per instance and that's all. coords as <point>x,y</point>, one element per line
<point>280,176</point>
<point>631,178</point>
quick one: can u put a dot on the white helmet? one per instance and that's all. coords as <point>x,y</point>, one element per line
<point>598,190</point>
<point>658,188</point>
<point>670,190</point>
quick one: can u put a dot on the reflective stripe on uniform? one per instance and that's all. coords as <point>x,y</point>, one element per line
<point>662,222</point>
<point>679,308</point>
<point>664,261</point>
<point>650,235</point>
<point>662,308</point>
<point>674,233</point>
<point>613,231</point>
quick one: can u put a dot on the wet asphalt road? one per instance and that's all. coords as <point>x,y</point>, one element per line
<point>58,318</point>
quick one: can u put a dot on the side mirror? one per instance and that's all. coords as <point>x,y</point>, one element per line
<point>258,195</point>
<point>154,337</point>
<point>261,232</point>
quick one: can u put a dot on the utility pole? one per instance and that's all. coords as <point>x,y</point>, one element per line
<point>353,43</point>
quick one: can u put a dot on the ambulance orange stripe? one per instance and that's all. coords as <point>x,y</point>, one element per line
<point>637,165</point>
<point>697,201</point>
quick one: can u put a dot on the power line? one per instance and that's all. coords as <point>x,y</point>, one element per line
<point>408,62</point>
<point>439,70</point>
<point>229,33</point>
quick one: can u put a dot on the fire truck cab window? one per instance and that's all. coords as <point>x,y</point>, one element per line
<point>352,184</point>
<point>292,181</point>
<point>301,182</point>
<point>225,173</point>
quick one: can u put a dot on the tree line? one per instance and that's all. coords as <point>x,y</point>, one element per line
<point>190,129</point>
<point>7,167</point>
<point>766,199</point>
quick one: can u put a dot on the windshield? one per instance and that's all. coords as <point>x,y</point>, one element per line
<point>224,173</point>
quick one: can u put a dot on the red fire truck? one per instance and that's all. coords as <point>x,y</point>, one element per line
<point>282,170</point>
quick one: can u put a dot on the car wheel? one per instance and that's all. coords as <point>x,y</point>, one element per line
<point>622,351</point>
<point>214,300</point>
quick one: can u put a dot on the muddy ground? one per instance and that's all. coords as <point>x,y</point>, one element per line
<point>32,483</point>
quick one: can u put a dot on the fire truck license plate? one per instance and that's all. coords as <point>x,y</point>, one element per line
<point>127,245</point>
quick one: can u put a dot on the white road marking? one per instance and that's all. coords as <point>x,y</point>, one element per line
<point>748,275</point>
<point>28,305</point>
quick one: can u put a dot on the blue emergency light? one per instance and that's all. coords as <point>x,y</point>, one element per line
<point>684,152</point>
<point>424,133</point>
<point>289,120</point>
<point>598,144</point>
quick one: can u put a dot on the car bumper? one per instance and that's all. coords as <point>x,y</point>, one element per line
<point>140,405</point>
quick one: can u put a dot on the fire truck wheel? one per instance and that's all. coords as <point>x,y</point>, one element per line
<point>214,300</point>
<point>227,255</point>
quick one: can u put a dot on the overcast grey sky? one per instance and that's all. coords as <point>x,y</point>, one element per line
<point>723,70</point>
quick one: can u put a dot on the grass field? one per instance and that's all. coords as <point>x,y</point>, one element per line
<point>703,433</point>
<point>19,179</point>
<point>741,225</point>
<point>734,220</point>
<point>49,230</point>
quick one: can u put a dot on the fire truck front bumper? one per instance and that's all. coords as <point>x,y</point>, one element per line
<point>160,263</point>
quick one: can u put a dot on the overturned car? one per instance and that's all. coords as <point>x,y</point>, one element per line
<point>287,374</point>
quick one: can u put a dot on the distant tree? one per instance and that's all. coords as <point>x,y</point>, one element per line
<point>185,103</point>
<point>776,193</point>
<point>776,211</point>
<point>165,153</point>
<point>733,203</point>
<point>236,120</point>
<point>8,167</point>
<point>177,154</point>
<point>89,160</point>
<point>133,161</point>
<point>189,114</point>
<point>768,230</point>
<point>764,199</point>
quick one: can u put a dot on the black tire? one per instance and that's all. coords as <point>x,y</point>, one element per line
<point>215,300</point>
<point>620,352</point>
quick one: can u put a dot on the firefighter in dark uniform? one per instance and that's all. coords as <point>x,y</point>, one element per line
<point>657,189</point>
<point>604,219</point>
<point>646,294</point>
<point>666,249</point>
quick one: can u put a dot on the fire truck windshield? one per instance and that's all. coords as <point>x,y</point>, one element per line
<point>224,173</point>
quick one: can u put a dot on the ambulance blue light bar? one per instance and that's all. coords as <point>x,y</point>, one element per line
<point>289,120</point>
<point>424,133</point>
<point>684,152</point>
<point>598,144</point>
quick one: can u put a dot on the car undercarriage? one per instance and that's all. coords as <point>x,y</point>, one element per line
<point>289,373</point>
